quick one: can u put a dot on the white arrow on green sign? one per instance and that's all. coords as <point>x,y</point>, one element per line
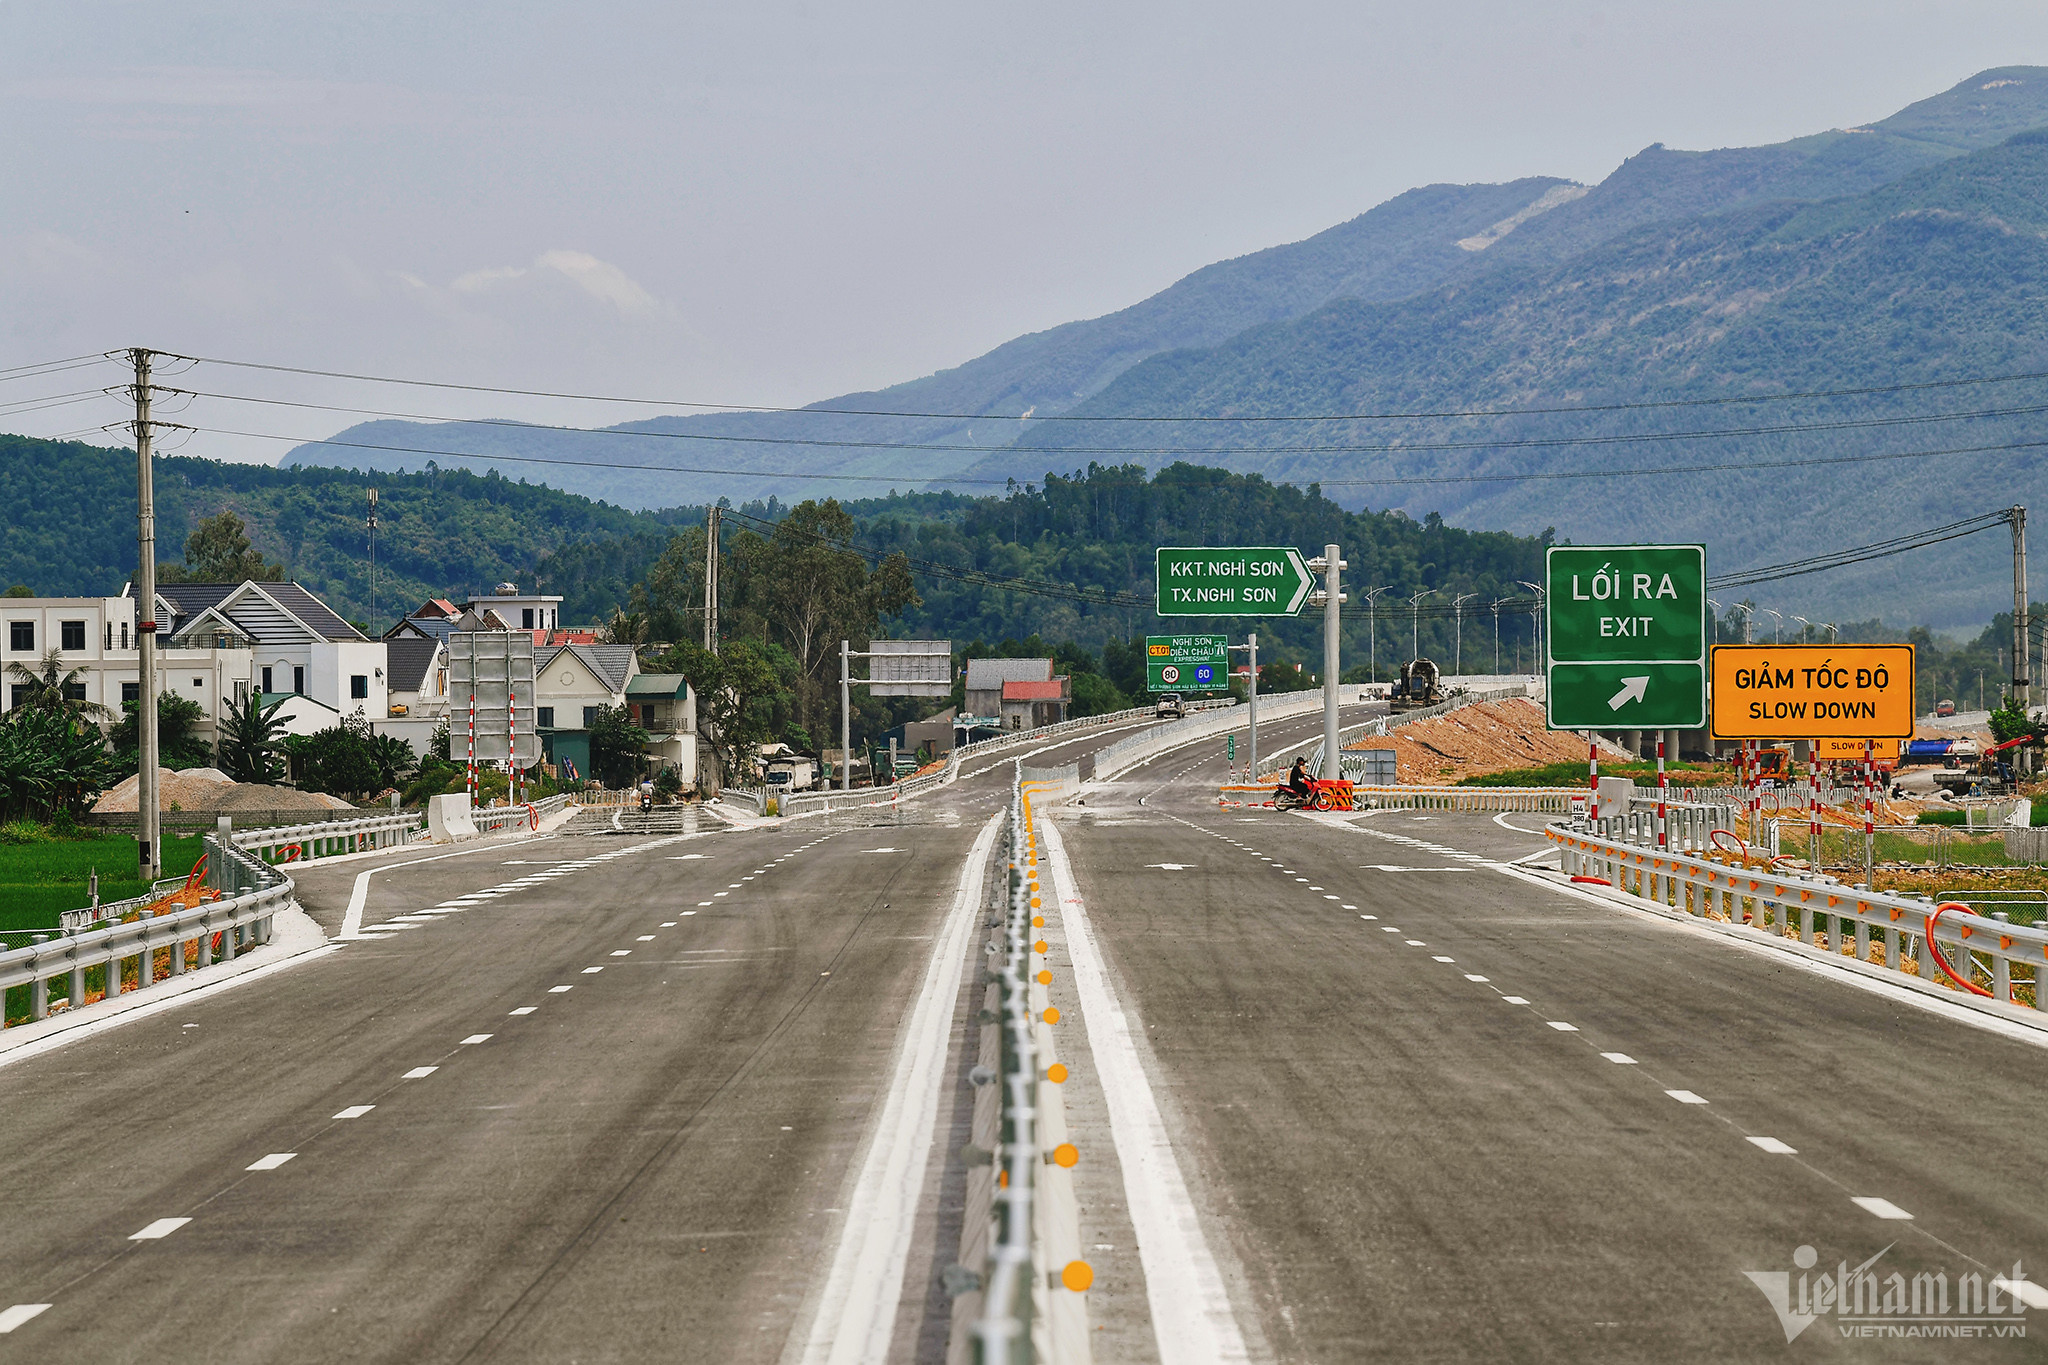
<point>1239,581</point>
<point>1628,636</point>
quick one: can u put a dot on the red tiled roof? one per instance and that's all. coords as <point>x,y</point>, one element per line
<point>1049,690</point>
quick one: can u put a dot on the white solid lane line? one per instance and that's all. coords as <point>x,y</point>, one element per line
<point>1775,1147</point>
<point>1191,1315</point>
<point>1878,1208</point>
<point>162,1227</point>
<point>419,1073</point>
<point>271,1162</point>
<point>355,1111</point>
<point>856,1307</point>
<point>11,1318</point>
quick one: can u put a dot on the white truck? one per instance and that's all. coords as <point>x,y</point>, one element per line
<point>787,770</point>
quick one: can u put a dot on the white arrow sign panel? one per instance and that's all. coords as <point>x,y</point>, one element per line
<point>1632,689</point>
<point>1305,581</point>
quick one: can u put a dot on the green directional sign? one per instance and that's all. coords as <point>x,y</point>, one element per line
<point>1627,627</point>
<point>1259,581</point>
<point>1186,663</point>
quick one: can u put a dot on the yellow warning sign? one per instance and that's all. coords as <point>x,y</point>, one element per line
<point>1851,750</point>
<point>1813,691</point>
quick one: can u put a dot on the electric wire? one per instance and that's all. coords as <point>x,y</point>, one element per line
<point>1860,391</point>
<point>1403,447</point>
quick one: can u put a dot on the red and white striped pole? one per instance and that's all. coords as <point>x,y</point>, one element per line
<point>1869,825</point>
<point>1592,777</point>
<point>1663,840</point>
<point>471,785</point>
<point>1813,802</point>
<point>511,748</point>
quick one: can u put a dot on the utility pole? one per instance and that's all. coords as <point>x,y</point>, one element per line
<point>149,821</point>
<point>1330,566</point>
<point>373,557</point>
<point>2022,683</point>
<point>845,715</point>
<point>711,579</point>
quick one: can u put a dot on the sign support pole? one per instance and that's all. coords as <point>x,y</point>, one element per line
<point>1332,606</point>
<point>1592,775</point>
<point>1663,840</point>
<point>1869,829</point>
<point>1252,653</point>
<point>471,780</point>
<point>1813,804</point>
<point>511,745</point>
<point>845,716</point>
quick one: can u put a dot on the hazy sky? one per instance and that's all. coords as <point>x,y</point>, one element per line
<point>771,202</point>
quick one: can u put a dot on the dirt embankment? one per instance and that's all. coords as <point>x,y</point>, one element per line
<point>1487,738</point>
<point>191,790</point>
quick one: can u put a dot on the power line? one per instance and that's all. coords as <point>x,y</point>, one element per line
<point>1417,415</point>
<point>77,362</point>
<point>1882,549</point>
<point>1516,443</point>
<point>900,479</point>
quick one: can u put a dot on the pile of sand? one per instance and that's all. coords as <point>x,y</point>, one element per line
<point>208,791</point>
<point>1487,738</point>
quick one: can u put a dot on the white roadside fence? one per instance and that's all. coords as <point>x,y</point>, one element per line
<point>1987,955</point>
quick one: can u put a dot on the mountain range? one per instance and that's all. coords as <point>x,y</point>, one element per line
<point>1910,251</point>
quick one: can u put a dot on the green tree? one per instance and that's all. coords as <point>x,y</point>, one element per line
<point>342,759</point>
<point>51,763</point>
<point>20,590</point>
<point>52,687</point>
<point>617,746</point>
<point>744,699</point>
<point>177,735</point>
<point>252,740</point>
<point>219,552</point>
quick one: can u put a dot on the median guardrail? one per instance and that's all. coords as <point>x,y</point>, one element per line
<point>155,947</point>
<point>1946,944</point>
<point>328,838</point>
<point>1023,1294</point>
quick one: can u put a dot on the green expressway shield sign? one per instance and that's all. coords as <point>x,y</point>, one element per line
<point>1186,663</point>
<point>1263,581</point>
<point>1628,636</point>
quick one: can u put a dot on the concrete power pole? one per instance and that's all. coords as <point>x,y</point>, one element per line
<point>2022,663</point>
<point>711,579</point>
<point>1330,566</point>
<point>149,821</point>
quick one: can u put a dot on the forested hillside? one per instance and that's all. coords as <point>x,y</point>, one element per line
<point>70,527</point>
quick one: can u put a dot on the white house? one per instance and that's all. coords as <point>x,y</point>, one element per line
<point>298,645</point>
<point>96,635</point>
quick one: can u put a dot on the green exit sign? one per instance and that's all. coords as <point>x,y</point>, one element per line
<point>1627,628</point>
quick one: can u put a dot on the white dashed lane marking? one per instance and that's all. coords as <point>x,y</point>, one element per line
<point>11,1318</point>
<point>271,1162</point>
<point>526,1009</point>
<point>1878,1208</point>
<point>164,1227</point>
<point>1685,1097</point>
<point>1774,1147</point>
<point>1619,1058</point>
<point>419,1073</point>
<point>355,1111</point>
<point>476,1038</point>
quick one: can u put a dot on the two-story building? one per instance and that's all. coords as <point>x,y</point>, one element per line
<point>96,637</point>
<point>1025,693</point>
<point>299,648</point>
<point>572,683</point>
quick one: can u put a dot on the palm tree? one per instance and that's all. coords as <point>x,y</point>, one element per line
<point>52,687</point>
<point>252,740</point>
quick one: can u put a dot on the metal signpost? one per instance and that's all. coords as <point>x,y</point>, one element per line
<point>1186,663</point>
<point>1241,581</point>
<point>493,670</point>
<point>896,668</point>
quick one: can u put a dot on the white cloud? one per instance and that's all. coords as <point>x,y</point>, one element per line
<point>601,280</point>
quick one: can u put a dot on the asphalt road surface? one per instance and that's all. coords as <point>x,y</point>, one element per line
<point>600,1097</point>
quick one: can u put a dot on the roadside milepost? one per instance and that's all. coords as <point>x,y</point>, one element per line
<point>1628,637</point>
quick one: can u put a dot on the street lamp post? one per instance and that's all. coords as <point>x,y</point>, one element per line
<point>1415,622</point>
<point>1372,652</point>
<point>1537,619</point>
<point>1777,624</point>
<point>1458,632</point>
<point>1496,637</point>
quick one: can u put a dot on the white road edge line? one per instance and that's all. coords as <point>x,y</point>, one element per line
<point>856,1310</point>
<point>1191,1315</point>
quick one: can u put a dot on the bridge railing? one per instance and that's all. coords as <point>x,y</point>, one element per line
<point>1999,959</point>
<point>1555,800</point>
<point>155,947</point>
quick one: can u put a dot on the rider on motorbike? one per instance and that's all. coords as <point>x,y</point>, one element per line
<point>1297,781</point>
